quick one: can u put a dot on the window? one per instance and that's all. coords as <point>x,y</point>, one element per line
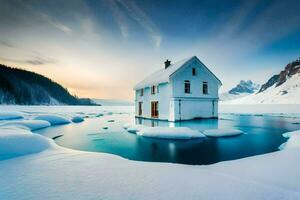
<point>194,71</point>
<point>142,92</point>
<point>140,108</point>
<point>187,87</point>
<point>205,88</point>
<point>154,109</point>
<point>153,88</point>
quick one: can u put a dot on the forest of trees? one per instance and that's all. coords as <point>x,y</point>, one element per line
<point>22,87</point>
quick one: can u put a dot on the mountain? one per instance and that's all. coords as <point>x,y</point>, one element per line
<point>18,86</point>
<point>243,88</point>
<point>282,88</point>
<point>113,102</point>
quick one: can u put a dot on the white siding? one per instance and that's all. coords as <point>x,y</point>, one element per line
<point>202,75</point>
<point>186,109</point>
<point>163,101</point>
<point>195,104</point>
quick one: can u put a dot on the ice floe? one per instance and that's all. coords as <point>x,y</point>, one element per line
<point>77,119</point>
<point>222,132</point>
<point>169,132</point>
<point>133,128</point>
<point>53,119</point>
<point>8,115</point>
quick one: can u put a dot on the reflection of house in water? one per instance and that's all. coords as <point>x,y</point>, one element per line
<point>181,91</point>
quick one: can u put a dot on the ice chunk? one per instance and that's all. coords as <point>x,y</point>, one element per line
<point>30,124</point>
<point>77,119</point>
<point>10,115</point>
<point>134,128</point>
<point>53,119</point>
<point>17,142</point>
<point>170,132</point>
<point>126,126</point>
<point>222,132</point>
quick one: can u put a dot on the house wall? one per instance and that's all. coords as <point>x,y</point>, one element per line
<point>185,106</point>
<point>202,75</point>
<point>189,108</point>
<point>163,101</point>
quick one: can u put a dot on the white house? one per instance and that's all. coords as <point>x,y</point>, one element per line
<point>181,91</point>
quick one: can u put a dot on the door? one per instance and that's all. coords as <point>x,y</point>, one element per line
<point>154,109</point>
<point>140,112</point>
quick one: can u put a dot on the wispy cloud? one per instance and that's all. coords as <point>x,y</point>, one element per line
<point>47,18</point>
<point>120,18</point>
<point>144,20</point>
<point>6,44</point>
<point>31,61</point>
<point>55,23</point>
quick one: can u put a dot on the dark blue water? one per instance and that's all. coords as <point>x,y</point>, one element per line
<point>263,135</point>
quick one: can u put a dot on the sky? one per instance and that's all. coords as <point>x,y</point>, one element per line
<point>102,48</point>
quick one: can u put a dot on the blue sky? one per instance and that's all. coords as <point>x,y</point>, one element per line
<point>102,48</point>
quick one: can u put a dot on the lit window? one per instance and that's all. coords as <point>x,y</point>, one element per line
<point>205,88</point>
<point>187,87</point>
<point>142,92</point>
<point>194,71</point>
<point>153,89</point>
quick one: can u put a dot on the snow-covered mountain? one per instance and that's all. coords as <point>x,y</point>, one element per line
<point>244,88</point>
<point>282,88</point>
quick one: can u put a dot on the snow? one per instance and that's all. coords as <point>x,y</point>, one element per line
<point>287,93</point>
<point>34,167</point>
<point>77,119</point>
<point>222,132</point>
<point>48,172</point>
<point>17,142</point>
<point>8,115</point>
<point>29,124</point>
<point>53,119</point>
<point>169,132</point>
<point>293,141</point>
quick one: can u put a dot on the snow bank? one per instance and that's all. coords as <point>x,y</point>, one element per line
<point>18,142</point>
<point>293,141</point>
<point>77,119</point>
<point>169,132</point>
<point>29,124</point>
<point>53,119</point>
<point>10,115</point>
<point>98,175</point>
<point>222,132</point>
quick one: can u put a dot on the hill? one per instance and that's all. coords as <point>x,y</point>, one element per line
<point>18,86</point>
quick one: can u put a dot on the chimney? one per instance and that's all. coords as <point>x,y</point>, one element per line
<point>167,63</point>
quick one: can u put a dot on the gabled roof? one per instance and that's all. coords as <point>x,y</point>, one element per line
<point>163,75</point>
